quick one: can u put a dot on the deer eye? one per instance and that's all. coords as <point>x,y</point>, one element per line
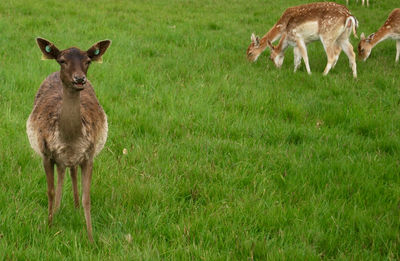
<point>61,62</point>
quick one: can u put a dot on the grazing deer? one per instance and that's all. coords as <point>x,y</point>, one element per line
<point>326,21</point>
<point>390,29</point>
<point>362,2</point>
<point>67,126</point>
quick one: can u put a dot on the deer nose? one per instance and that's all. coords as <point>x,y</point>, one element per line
<point>80,79</point>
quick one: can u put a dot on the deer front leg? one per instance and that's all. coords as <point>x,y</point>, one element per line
<point>60,182</point>
<point>397,50</point>
<point>303,51</point>
<point>348,50</point>
<point>297,58</point>
<point>74,172</point>
<point>87,167</point>
<point>48,165</point>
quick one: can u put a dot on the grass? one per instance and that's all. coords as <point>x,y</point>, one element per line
<point>226,160</point>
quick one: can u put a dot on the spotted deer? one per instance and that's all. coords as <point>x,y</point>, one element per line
<point>329,22</point>
<point>362,2</point>
<point>389,30</point>
<point>67,126</point>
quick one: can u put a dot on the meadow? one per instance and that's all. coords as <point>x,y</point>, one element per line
<point>224,159</point>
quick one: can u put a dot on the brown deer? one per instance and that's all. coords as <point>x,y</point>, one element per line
<point>67,126</point>
<point>389,30</point>
<point>299,25</point>
<point>362,2</point>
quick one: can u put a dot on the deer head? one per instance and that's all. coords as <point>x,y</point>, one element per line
<point>74,62</point>
<point>276,55</point>
<point>365,46</point>
<point>254,50</point>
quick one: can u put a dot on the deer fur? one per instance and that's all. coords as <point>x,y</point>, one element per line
<point>67,126</point>
<point>389,30</point>
<point>362,2</point>
<point>299,25</point>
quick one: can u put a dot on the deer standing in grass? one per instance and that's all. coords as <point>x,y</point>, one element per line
<point>362,2</point>
<point>328,22</point>
<point>389,30</point>
<point>67,126</point>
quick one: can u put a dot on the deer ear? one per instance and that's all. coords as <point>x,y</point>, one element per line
<point>97,50</point>
<point>270,45</point>
<point>253,38</point>
<point>49,50</point>
<point>362,36</point>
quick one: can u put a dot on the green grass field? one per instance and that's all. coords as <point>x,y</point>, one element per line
<point>226,160</point>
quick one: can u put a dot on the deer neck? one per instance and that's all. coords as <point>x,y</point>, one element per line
<point>283,44</point>
<point>382,34</point>
<point>273,34</point>
<point>70,117</point>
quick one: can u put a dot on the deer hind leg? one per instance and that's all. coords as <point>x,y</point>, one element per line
<point>303,51</point>
<point>48,165</point>
<point>74,172</point>
<point>338,50</point>
<point>87,167</point>
<point>297,58</point>
<point>348,50</point>
<point>331,55</point>
<point>60,182</point>
<point>397,50</point>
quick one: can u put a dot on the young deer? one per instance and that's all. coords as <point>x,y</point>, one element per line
<point>362,2</point>
<point>326,21</point>
<point>390,29</point>
<point>67,126</point>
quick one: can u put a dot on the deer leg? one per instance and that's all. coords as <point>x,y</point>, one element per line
<point>397,50</point>
<point>60,182</point>
<point>48,165</point>
<point>74,172</point>
<point>332,51</point>
<point>297,58</point>
<point>303,51</point>
<point>331,55</point>
<point>348,50</point>
<point>86,179</point>
<point>338,50</point>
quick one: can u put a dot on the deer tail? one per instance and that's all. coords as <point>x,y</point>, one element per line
<point>351,21</point>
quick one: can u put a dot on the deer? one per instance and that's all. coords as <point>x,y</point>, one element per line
<point>362,2</point>
<point>67,126</point>
<point>389,30</point>
<point>328,22</point>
